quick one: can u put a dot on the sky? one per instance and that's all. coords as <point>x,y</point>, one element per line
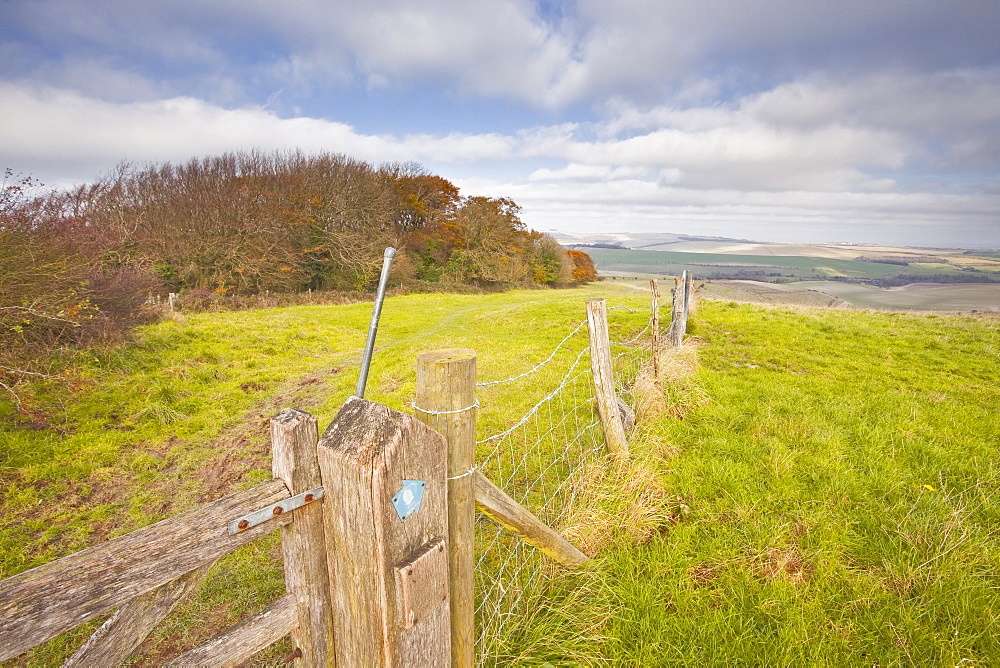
<point>851,121</point>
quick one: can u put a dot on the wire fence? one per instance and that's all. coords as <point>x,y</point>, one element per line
<point>540,461</point>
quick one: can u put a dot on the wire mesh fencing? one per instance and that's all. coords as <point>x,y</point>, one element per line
<point>541,460</point>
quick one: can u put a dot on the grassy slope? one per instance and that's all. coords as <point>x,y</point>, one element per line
<point>943,297</point>
<point>179,418</point>
<point>832,495</point>
<point>842,478</point>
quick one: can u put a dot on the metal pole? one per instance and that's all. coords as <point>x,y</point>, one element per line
<point>366,360</point>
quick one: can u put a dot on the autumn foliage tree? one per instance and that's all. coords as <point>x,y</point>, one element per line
<point>583,270</point>
<point>247,223</point>
<point>59,282</point>
<point>79,264</point>
<point>250,222</point>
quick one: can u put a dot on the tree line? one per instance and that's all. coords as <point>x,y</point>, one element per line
<point>79,264</point>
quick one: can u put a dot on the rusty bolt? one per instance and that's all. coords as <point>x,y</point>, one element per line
<point>297,654</point>
<point>243,525</point>
<point>278,510</point>
<point>309,497</point>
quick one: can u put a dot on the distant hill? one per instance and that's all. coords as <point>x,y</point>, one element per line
<point>682,243</point>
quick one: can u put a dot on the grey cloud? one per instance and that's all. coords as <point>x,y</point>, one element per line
<point>690,99</point>
<point>643,50</point>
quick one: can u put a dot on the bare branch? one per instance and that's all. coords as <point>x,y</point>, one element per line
<point>39,314</point>
<point>17,399</point>
<point>23,372</point>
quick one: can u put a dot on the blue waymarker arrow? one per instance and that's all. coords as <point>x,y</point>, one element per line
<point>407,500</point>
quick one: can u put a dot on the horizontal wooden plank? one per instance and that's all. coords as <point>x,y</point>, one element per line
<point>495,504</point>
<point>238,643</point>
<point>42,603</point>
<point>125,630</point>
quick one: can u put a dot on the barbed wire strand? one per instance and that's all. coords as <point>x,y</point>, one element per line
<point>540,461</point>
<point>539,365</point>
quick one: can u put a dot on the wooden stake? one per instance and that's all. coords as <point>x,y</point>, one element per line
<point>654,289</point>
<point>445,400</point>
<point>495,504</point>
<point>676,315</point>
<point>294,435</point>
<point>686,302</point>
<point>604,378</point>
<point>390,593</point>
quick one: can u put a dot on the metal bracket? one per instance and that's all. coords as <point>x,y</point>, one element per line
<point>274,510</point>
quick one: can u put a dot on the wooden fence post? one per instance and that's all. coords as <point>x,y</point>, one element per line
<point>676,314</point>
<point>604,378</point>
<point>294,436</point>
<point>686,303</point>
<point>654,289</point>
<point>385,511</point>
<point>446,401</point>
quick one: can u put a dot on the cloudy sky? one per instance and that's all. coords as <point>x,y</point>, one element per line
<point>865,121</point>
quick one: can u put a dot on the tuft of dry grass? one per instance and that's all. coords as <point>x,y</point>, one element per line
<point>674,393</point>
<point>621,502</point>
<point>626,500</point>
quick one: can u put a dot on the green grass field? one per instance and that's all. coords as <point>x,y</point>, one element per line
<point>819,489</point>
<point>843,478</point>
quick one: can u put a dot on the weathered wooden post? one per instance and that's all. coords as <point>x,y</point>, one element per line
<point>686,302</point>
<point>495,504</point>
<point>604,378</point>
<point>676,314</point>
<point>385,512</point>
<point>446,401</point>
<point>294,435</point>
<point>654,289</point>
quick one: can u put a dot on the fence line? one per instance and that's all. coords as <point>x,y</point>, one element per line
<point>534,409</point>
<point>541,461</point>
<point>336,577</point>
<point>538,366</point>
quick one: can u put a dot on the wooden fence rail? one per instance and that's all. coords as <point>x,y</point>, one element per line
<point>43,602</point>
<point>377,519</point>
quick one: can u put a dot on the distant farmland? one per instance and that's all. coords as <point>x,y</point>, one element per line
<point>772,268</point>
<point>724,265</point>
<point>956,282</point>
<point>964,297</point>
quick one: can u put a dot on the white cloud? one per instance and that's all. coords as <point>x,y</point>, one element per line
<point>951,99</point>
<point>777,112</point>
<point>577,172</point>
<point>45,127</point>
<point>724,149</point>
<point>640,206</point>
<point>595,50</point>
